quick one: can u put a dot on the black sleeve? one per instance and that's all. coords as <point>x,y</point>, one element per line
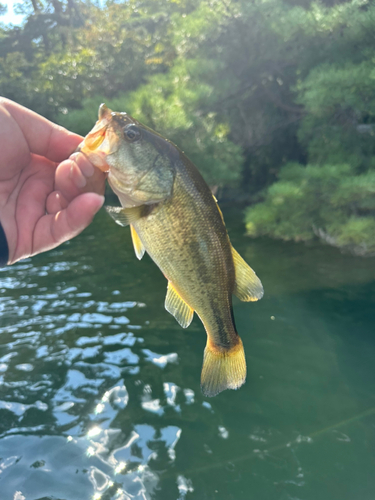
<point>4,250</point>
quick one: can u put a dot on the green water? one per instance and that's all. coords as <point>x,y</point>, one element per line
<point>99,386</point>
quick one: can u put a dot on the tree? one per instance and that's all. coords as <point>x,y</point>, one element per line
<point>245,88</point>
<point>333,197</point>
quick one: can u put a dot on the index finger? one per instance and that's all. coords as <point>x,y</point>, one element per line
<point>43,137</point>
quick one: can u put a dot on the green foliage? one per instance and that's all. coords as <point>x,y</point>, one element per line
<point>333,197</point>
<point>202,138</point>
<point>169,103</point>
<point>82,120</point>
<point>357,234</point>
<point>341,112</point>
<point>328,201</point>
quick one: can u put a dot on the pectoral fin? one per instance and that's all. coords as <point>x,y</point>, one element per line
<point>137,243</point>
<point>248,286</point>
<point>175,305</point>
<point>126,216</point>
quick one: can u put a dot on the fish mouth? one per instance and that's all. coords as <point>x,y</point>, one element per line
<point>102,140</point>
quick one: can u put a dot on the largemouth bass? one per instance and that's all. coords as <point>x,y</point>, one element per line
<point>174,217</point>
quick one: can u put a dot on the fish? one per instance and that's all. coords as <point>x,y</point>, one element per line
<point>174,217</point>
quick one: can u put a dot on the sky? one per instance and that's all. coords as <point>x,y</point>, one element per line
<point>10,17</point>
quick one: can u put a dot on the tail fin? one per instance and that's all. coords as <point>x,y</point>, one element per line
<point>222,369</point>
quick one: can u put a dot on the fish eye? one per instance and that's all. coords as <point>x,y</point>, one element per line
<point>132,133</point>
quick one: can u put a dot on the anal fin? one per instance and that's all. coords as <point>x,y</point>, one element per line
<point>175,305</point>
<point>248,286</point>
<point>139,248</point>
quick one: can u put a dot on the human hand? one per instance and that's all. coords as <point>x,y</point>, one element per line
<point>43,202</point>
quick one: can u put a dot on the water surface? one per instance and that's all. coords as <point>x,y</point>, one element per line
<point>99,386</point>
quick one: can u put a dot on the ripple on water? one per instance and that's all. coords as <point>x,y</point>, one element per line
<point>72,369</point>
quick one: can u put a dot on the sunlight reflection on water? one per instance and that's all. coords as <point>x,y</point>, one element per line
<point>109,460</point>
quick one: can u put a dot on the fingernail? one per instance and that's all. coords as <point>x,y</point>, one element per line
<point>101,204</point>
<point>84,165</point>
<point>74,156</point>
<point>77,177</point>
<point>102,199</point>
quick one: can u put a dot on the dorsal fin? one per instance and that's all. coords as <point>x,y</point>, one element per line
<point>126,216</point>
<point>139,248</point>
<point>248,286</point>
<point>175,305</point>
<point>220,212</point>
